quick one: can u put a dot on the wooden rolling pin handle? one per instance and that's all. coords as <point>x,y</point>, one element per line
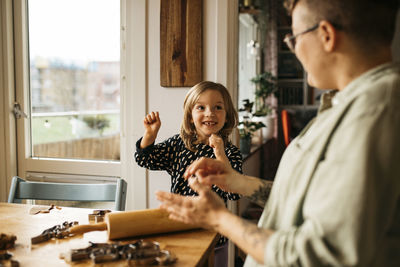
<point>84,228</point>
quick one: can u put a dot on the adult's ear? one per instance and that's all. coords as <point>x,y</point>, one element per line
<point>328,35</point>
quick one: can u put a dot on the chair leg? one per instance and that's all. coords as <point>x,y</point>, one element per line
<point>120,195</point>
<point>13,190</point>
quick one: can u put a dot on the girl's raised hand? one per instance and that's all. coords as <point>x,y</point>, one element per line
<point>152,123</point>
<point>217,143</point>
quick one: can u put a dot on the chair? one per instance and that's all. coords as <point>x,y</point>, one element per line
<point>21,189</point>
<point>286,126</point>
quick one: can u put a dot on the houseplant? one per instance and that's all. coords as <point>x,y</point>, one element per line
<point>246,132</point>
<point>265,87</point>
<point>247,127</point>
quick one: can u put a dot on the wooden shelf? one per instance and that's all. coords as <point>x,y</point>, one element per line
<point>284,28</point>
<point>295,106</point>
<point>251,11</point>
<point>287,80</point>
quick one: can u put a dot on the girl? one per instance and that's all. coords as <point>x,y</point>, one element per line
<point>209,117</point>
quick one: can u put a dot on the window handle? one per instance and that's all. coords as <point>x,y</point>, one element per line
<point>18,113</point>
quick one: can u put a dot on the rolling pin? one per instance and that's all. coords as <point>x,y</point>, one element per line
<point>134,223</point>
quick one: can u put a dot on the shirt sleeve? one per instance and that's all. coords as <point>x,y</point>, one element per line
<point>235,158</point>
<point>156,157</point>
<point>350,208</point>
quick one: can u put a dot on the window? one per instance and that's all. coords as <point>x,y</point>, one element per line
<point>74,66</point>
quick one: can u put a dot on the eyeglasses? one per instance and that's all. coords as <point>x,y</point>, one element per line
<point>290,39</point>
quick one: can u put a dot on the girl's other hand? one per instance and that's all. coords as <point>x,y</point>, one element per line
<point>217,143</point>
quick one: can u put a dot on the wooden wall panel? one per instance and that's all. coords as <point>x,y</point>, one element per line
<point>181,43</point>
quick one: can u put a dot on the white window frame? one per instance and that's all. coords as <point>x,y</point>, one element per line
<point>8,162</point>
<point>133,75</point>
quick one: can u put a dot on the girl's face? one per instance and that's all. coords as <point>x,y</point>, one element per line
<point>208,114</point>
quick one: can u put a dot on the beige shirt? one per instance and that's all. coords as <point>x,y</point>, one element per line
<point>336,195</point>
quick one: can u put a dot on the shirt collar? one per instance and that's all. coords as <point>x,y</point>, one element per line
<point>356,87</point>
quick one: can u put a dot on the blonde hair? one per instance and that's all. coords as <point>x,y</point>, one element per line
<point>188,130</point>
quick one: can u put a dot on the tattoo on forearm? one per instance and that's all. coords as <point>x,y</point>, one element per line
<point>260,196</point>
<point>254,235</point>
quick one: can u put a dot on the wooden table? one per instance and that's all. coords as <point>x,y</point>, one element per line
<point>192,248</point>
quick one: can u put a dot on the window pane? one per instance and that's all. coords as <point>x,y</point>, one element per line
<point>248,60</point>
<point>74,48</point>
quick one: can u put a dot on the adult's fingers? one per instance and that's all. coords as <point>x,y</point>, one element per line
<point>197,186</point>
<point>205,178</point>
<point>208,164</point>
<point>175,205</point>
<point>174,201</point>
<point>214,179</point>
<point>174,212</point>
<point>167,197</point>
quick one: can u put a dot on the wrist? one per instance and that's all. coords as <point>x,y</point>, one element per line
<point>243,184</point>
<point>150,136</point>
<point>253,184</point>
<point>221,218</point>
<point>147,139</point>
<point>239,182</point>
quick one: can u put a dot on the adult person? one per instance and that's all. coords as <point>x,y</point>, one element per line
<point>336,196</point>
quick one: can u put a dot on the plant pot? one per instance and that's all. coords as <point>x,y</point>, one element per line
<point>245,145</point>
<point>269,130</point>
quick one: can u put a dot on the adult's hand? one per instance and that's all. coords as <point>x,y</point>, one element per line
<point>220,173</point>
<point>215,172</point>
<point>204,210</point>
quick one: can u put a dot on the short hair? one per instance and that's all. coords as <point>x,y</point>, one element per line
<point>188,130</point>
<point>369,22</point>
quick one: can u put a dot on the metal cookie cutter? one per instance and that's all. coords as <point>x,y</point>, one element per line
<point>7,241</point>
<point>42,209</point>
<point>58,231</point>
<point>6,256</point>
<point>98,216</point>
<point>139,253</point>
